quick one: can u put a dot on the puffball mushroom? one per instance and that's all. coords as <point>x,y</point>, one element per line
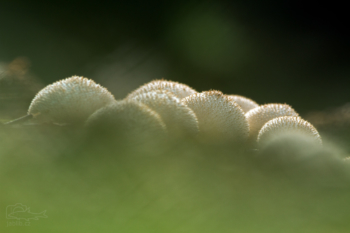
<point>68,101</point>
<point>245,103</point>
<point>257,117</point>
<point>293,146</point>
<point>220,120</point>
<point>297,155</point>
<point>178,89</point>
<point>126,120</point>
<point>177,116</point>
<point>287,125</point>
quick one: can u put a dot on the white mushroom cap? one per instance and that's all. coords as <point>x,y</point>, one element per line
<point>287,125</point>
<point>129,119</point>
<point>70,100</point>
<point>178,89</point>
<point>245,103</point>
<point>220,120</point>
<point>178,117</point>
<point>257,117</point>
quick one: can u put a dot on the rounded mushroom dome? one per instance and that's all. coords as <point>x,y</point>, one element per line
<point>177,116</point>
<point>287,125</point>
<point>178,89</point>
<point>71,100</point>
<point>126,120</point>
<point>245,103</point>
<point>257,117</point>
<point>219,119</point>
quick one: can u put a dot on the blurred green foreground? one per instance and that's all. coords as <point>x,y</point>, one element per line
<point>167,186</point>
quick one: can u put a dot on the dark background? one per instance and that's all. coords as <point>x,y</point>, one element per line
<point>271,51</point>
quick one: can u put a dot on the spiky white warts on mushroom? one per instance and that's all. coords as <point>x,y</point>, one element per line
<point>177,116</point>
<point>220,120</point>
<point>287,125</point>
<point>257,117</point>
<point>245,103</point>
<point>69,101</point>
<point>129,117</point>
<point>178,89</point>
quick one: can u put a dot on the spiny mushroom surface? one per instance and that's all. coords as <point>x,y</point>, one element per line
<point>257,117</point>
<point>178,89</point>
<point>287,125</point>
<point>245,103</point>
<point>68,101</point>
<point>126,119</point>
<point>220,120</point>
<point>177,116</point>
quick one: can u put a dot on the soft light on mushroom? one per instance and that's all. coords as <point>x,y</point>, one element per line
<point>245,103</point>
<point>287,125</point>
<point>126,120</point>
<point>220,120</point>
<point>177,116</point>
<point>257,117</point>
<point>178,89</point>
<point>69,101</point>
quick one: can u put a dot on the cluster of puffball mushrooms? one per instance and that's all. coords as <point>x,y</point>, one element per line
<point>166,107</point>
